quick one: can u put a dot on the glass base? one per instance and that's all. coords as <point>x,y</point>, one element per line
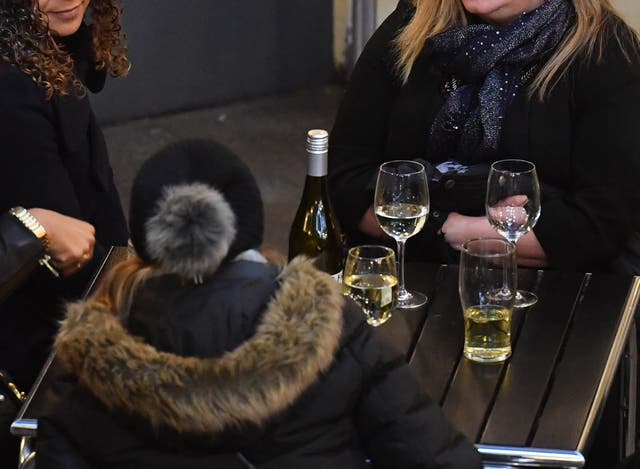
<point>524,299</point>
<point>411,299</point>
<point>487,355</point>
<point>375,322</point>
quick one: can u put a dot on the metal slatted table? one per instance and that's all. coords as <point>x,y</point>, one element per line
<point>538,409</point>
<point>541,407</point>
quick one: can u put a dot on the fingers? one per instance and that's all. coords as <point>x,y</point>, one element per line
<point>514,200</point>
<point>72,249</point>
<point>458,229</point>
<point>449,230</point>
<point>71,241</point>
<point>509,214</point>
<point>75,264</point>
<point>72,264</point>
<point>453,242</point>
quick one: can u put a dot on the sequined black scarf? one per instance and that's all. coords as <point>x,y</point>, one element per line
<point>489,65</point>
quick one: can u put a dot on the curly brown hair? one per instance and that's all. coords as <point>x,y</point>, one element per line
<point>27,42</point>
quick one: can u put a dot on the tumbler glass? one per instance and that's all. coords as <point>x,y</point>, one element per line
<point>370,279</point>
<point>487,286</point>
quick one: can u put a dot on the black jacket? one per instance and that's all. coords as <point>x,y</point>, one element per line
<point>53,156</point>
<point>583,140</point>
<point>279,372</point>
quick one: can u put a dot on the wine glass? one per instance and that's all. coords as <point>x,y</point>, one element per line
<point>513,205</point>
<point>370,279</point>
<point>401,205</point>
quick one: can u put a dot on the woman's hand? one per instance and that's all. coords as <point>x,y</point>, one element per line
<point>71,241</point>
<point>460,228</point>
<point>369,224</point>
<point>457,229</point>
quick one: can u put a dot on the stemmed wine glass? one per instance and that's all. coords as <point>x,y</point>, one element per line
<point>401,206</point>
<point>513,206</point>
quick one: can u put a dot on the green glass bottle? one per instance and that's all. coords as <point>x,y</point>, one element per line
<point>315,231</point>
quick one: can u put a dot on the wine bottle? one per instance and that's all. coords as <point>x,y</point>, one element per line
<point>315,231</point>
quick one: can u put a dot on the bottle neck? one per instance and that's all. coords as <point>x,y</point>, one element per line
<point>317,164</point>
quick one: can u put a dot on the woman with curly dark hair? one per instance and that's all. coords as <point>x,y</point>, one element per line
<point>53,154</point>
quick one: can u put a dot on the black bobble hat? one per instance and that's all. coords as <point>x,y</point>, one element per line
<point>194,205</point>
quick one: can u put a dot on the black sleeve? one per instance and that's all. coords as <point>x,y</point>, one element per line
<point>78,432</point>
<point>398,424</point>
<point>55,450</point>
<point>587,225</point>
<point>356,146</point>
<point>19,253</point>
<point>33,173</point>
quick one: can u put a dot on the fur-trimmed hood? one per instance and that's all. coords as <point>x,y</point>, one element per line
<point>296,340</point>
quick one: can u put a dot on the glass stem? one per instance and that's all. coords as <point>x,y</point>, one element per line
<point>514,240</point>
<point>402,292</point>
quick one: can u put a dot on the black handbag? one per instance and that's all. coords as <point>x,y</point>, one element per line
<point>11,399</point>
<point>455,187</point>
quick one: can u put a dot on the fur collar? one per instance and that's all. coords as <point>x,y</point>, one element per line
<point>294,343</point>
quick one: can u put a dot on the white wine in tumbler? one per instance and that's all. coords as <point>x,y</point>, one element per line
<point>376,293</point>
<point>487,333</point>
<point>488,286</point>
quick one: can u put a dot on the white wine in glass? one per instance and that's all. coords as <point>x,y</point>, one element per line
<point>513,206</point>
<point>401,205</point>
<point>370,279</point>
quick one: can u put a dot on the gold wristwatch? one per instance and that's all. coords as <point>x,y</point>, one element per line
<point>33,225</point>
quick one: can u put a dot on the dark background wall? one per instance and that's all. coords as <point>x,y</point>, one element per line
<point>188,54</point>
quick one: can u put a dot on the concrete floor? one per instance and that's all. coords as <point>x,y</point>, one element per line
<point>268,133</point>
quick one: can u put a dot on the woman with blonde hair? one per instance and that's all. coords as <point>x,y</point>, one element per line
<point>53,155</point>
<point>459,84</point>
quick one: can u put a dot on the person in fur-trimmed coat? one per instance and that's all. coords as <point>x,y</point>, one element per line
<point>198,352</point>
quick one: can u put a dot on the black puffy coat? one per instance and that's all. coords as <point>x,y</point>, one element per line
<point>251,368</point>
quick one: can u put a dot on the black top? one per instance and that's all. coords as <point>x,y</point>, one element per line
<point>583,140</point>
<point>53,156</point>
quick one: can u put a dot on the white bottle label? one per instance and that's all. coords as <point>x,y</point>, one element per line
<point>338,277</point>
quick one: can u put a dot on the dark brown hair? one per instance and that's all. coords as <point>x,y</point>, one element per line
<point>27,42</point>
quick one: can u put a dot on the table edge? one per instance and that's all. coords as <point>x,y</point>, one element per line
<point>611,365</point>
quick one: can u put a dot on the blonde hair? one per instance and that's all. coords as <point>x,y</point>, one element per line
<point>596,20</point>
<point>117,288</point>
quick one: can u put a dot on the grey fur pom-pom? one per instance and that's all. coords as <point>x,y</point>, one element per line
<point>191,230</point>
